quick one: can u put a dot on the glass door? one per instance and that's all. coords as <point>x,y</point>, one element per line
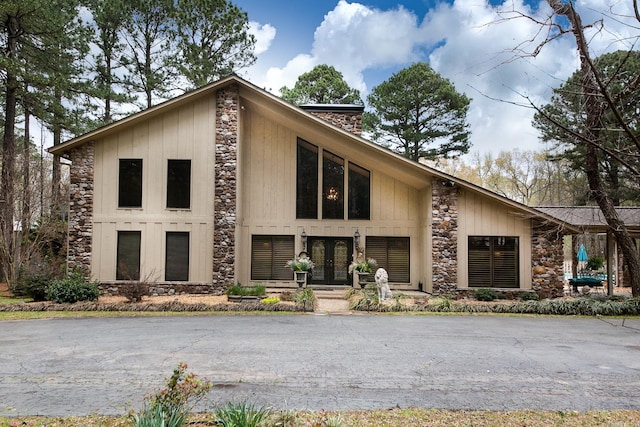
<point>331,256</point>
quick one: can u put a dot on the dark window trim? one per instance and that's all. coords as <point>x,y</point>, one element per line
<point>278,271</point>
<point>350,202</point>
<point>120,274</point>
<point>178,193</point>
<point>370,251</point>
<point>491,274</point>
<point>180,274</point>
<point>359,204</point>
<point>127,200</point>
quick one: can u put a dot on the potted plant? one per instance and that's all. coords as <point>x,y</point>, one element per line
<point>362,267</point>
<point>301,266</point>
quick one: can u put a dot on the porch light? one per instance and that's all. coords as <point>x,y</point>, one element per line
<point>356,238</point>
<point>303,237</point>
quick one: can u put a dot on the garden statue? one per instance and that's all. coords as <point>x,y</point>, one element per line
<point>382,284</point>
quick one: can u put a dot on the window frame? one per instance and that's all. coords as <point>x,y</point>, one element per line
<point>128,181</point>
<point>177,273</point>
<point>487,269</point>
<point>120,248</point>
<point>393,253</point>
<point>359,202</point>
<point>322,195</point>
<point>306,180</point>
<point>333,175</point>
<point>178,187</point>
<point>282,249</point>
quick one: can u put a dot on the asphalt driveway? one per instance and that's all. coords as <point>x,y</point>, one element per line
<point>106,365</point>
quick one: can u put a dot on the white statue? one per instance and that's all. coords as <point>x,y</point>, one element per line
<point>382,284</point>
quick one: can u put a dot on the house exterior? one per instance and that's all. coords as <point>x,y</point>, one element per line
<point>224,184</point>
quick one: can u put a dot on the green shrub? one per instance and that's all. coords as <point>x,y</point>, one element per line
<point>241,415</point>
<point>529,296</point>
<point>595,263</point>
<point>484,294</point>
<point>72,289</point>
<point>306,299</point>
<point>157,416</point>
<point>238,289</point>
<point>270,300</point>
<point>34,287</point>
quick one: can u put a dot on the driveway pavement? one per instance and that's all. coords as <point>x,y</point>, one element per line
<point>106,365</point>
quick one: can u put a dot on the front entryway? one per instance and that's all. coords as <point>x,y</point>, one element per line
<point>331,256</point>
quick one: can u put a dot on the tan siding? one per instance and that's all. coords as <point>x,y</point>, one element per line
<point>480,216</point>
<point>269,194</point>
<point>185,133</point>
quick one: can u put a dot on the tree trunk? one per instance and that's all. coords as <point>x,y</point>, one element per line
<point>26,174</point>
<point>8,160</point>
<point>56,210</point>
<point>594,109</point>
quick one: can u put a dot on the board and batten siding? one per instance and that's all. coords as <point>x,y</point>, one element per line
<point>187,132</point>
<point>480,216</point>
<point>268,196</point>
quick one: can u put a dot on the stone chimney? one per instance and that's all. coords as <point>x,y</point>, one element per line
<point>345,116</point>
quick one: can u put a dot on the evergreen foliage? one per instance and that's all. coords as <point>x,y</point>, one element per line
<point>419,114</point>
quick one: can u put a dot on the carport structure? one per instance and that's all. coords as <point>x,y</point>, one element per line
<point>589,219</point>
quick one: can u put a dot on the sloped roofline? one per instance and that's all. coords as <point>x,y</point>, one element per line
<point>187,97</point>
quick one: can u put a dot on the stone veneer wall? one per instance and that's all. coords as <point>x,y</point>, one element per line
<point>547,259</point>
<point>444,224</point>
<point>226,162</point>
<point>81,208</point>
<point>349,121</point>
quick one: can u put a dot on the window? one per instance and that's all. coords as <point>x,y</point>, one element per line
<point>333,185</point>
<point>307,181</point>
<point>176,267</point>
<point>359,191</point>
<point>493,262</point>
<point>130,183</point>
<point>128,256</point>
<point>392,254</point>
<point>269,256</point>
<point>179,184</point>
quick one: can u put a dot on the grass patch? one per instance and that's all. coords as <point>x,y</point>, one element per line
<point>13,300</point>
<point>414,417</point>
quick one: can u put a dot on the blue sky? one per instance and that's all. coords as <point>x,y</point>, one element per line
<point>467,41</point>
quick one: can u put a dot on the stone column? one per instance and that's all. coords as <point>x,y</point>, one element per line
<point>226,163</point>
<point>81,208</point>
<point>547,260</point>
<point>444,239</point>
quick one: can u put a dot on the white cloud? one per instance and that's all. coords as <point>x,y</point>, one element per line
<point>264,35</point>
<point>469,43</point>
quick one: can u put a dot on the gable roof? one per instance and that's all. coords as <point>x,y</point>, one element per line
<point>591,217</point>
<point>403,165</point>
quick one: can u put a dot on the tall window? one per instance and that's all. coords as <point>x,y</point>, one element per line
<point>130,183</point>
<point>392,254</point>
<point>307,181</point>
<point>179,184</point>
<point>332,186</point>
<point>359,192</point>
<point>128,256</point>
<point>177,256</point>
<point>493,262</point>
<point>269,256</point>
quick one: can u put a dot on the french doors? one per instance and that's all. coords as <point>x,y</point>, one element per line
<point>331,256</point>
